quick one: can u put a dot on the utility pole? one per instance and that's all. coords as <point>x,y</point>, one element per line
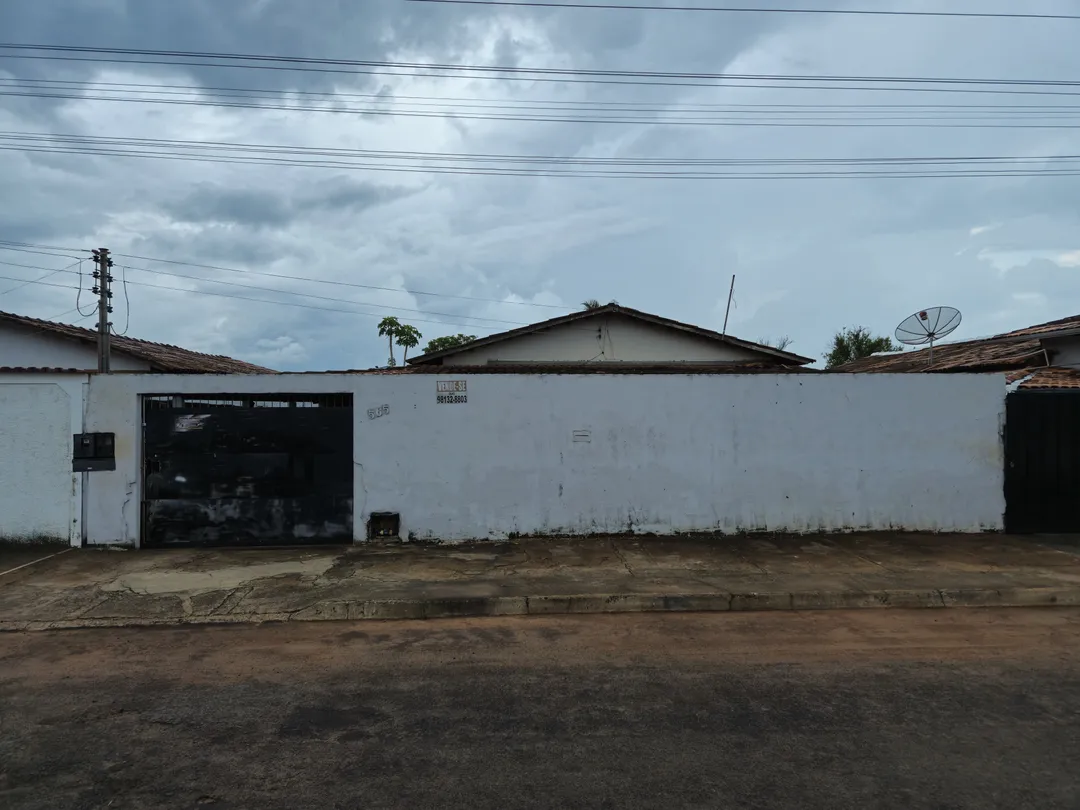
<point>103,278</point>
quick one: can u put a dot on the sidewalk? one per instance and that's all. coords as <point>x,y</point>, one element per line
<point>93,588</point>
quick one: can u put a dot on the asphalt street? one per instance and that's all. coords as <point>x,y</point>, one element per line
<point>861,709</point>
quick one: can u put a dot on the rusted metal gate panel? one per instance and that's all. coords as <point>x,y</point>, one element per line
<point>1042,461</point>
<point>236,471</point>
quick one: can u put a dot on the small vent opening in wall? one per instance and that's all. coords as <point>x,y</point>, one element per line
<point>384,524</point>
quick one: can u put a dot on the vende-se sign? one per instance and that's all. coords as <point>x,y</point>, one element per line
<point>450,392</point>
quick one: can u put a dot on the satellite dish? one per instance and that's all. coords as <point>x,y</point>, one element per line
<point>927,325</point>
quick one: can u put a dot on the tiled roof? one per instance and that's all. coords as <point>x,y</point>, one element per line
<point>1046,377</point>
<point>160,356</point>
<point>971,355</point>
<point>1042,329</point>
<point>591,368</point>
<point>782,357</point>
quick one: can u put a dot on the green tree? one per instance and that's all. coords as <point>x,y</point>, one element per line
<point>389,328</point>
<point>591,303</point>
<point>856,342</point>
<point>448,342</point>
<point>408,337</point>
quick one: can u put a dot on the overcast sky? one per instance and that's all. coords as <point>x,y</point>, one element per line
<point>810,255</point>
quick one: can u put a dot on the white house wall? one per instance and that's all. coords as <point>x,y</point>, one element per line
<point>610,338</point>
<point>615,453</point>
<point>40,497</point>
<point>24,348</point>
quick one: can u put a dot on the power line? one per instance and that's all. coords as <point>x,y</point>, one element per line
<point>756,10</point>
<point>261,300</point>
<point>509,103</point>
<point>569,115</point>
<point>546,79</point>
<point>169,151</point>
<point>137,92</point>
<point>240,60</point>
<point>327,297</point>
<point>337,283</point>
<point>304,278</point>
<point>37,280</point>
<point>280,303</point>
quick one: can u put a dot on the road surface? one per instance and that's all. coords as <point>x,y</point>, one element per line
<point>889,708</point>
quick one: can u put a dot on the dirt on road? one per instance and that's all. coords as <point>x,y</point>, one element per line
<point>891,709</point>
<point>290,651</point>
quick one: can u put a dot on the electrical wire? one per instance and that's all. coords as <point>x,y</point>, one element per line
<point>127,304</point>
<point>356,285</point>
<point>505,72</point>
<point>488,103</point>
<point>264,301</point>
<point>42,278</point>
<point>606,111</point>
<point>596,117</point>
<point>78,298</point>
<point>757,10</point>
<point>326,297</point>
<point>169,151</point>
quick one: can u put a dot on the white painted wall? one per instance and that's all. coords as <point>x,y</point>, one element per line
<point>40,497</point>
<point>663,453</point>
<point>23,348</point>
<point>612,338</point>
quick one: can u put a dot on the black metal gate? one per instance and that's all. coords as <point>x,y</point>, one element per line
<point>1042,461</point>
<point>234,470</point>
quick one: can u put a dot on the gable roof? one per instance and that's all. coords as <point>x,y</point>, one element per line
<point>160,356</point>
<point>783,358</point>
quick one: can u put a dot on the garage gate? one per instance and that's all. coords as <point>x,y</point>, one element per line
<point>233,470</point>
<point>1042,461</point>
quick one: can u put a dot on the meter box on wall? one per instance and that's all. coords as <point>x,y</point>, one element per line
<point>94,452</point>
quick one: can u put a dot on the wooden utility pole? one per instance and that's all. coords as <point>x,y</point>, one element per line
<point>103,279</point>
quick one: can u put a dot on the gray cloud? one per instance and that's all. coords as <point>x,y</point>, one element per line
<point>810,256</point>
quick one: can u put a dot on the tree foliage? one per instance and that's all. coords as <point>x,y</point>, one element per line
<point>447,342</point>
<point>591,303</point>
<point>856,342</point>
<point>407,337</point>
<point>388,328</point>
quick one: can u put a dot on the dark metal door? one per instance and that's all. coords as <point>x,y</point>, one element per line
<point>235,471</point>
<point>1042,461</point>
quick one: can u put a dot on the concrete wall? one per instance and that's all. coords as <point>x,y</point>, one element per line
<point>610,338</point>
<point>40,497</point>
<point>616,453</point>
<point>24,348</point>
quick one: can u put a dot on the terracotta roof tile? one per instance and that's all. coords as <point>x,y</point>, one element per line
<point>1046,377</point>
<point>971,355</point>
<point>161,356</point>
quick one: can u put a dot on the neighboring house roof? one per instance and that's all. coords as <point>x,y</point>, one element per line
<point>971,355</point>
<point>747,367</point>
<point>1019,352</point>
<point>160,356</point>
<point>1045,377</point>
<point>784,358</point>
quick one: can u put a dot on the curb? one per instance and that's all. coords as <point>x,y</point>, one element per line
<point>584,604</point>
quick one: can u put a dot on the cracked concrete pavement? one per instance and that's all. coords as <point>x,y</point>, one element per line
<point>88,588</point>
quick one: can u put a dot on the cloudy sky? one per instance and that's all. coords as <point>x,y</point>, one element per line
<point>810,255</point>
